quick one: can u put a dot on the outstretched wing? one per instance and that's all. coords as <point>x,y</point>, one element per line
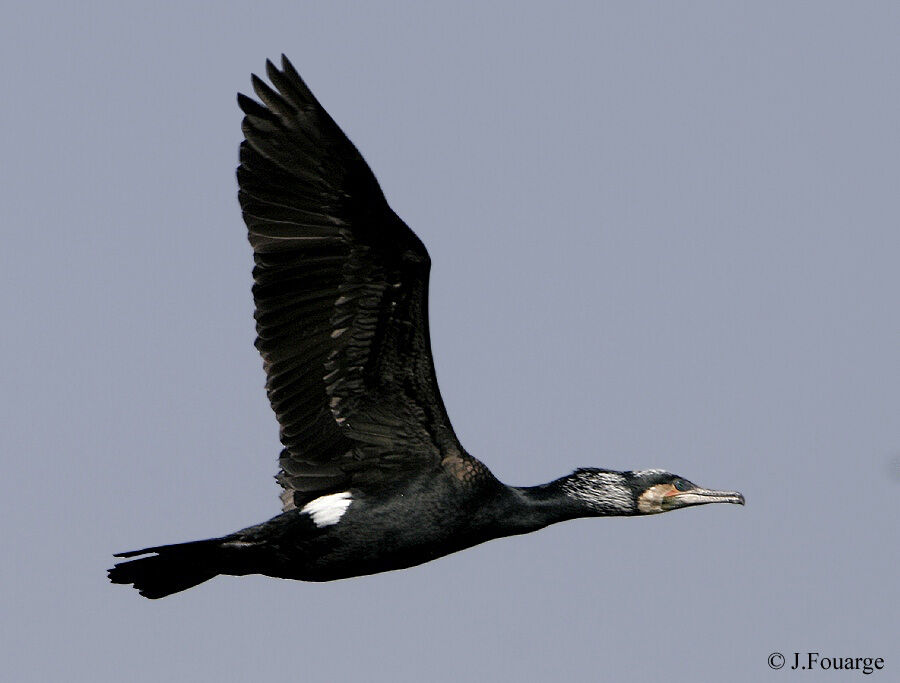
<point>341,293</point>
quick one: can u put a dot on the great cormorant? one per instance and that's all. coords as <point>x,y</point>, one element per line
<point>374,477</point>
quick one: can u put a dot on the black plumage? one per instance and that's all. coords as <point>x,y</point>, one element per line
<point>373,475</point>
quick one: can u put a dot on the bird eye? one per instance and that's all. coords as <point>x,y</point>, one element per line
<point>681,485</point>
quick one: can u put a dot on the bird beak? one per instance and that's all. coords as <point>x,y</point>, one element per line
<point>696,496</point>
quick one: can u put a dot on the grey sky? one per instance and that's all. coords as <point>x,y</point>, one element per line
<point>663,235</point>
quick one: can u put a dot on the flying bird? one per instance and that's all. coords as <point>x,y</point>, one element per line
<point>373,476</point>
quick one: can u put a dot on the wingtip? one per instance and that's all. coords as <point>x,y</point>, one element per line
<point>291,72</point>
<point>270,67</point>
<point>244,100</point>
<point>258,83</point>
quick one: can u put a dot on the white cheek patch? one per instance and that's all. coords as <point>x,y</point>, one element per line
<point>650,502</point>
<point>328,510</point>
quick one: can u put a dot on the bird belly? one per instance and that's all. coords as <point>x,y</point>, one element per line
<point>368,539</point>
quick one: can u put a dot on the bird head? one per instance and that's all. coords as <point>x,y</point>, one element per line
<point>641,492</point>
<point>658,491</point>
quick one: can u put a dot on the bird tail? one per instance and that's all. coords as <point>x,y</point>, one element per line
<point>173,568</point>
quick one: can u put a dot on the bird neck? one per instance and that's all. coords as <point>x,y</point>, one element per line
<point>584,493</point>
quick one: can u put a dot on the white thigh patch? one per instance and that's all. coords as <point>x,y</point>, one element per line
<point>327,510</point>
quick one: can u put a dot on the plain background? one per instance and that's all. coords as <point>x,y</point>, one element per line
<point>663,234</point>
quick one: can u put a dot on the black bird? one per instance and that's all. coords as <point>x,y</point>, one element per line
<point>374,477</point>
